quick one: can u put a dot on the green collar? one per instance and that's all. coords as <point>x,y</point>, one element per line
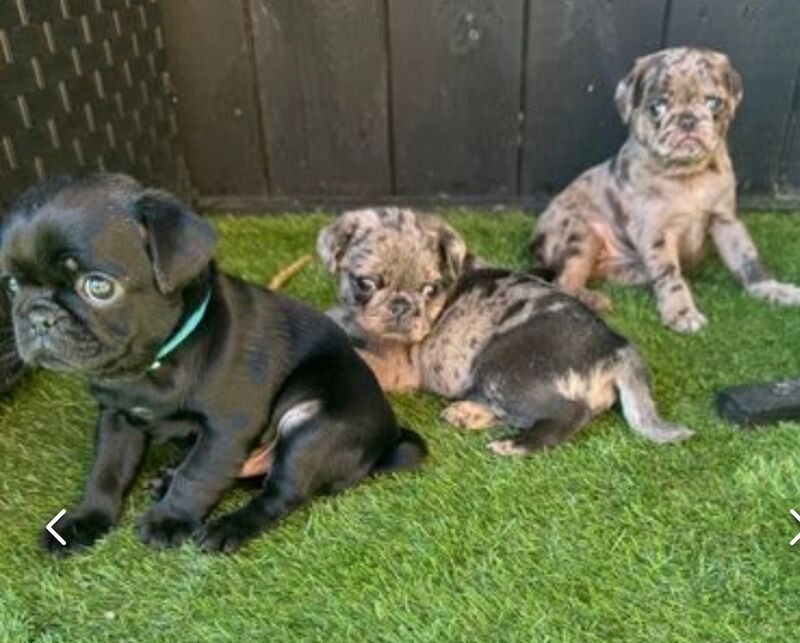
<point>183,332</point>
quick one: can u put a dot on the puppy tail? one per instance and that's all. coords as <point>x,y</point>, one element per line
<point>633,384</point>
<point>407,453</point>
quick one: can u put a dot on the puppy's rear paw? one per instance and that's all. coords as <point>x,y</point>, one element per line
<point>685,320</point>
<point>228,533</point>
<point>597,301</point>
<point>776,292</point>
<point>469,415</point>
<point>80,530</point>
<point>666,432</point>
<point>508,447</point>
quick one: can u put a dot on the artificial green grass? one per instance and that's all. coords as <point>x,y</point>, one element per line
<point>609,538</point>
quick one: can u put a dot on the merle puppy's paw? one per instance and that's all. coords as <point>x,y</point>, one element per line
<point>776,292</point>
<point>228,533</point>
<point>80,530</point>
<point>162,528</point>
<point>685,320</point>
<point>158,485</point>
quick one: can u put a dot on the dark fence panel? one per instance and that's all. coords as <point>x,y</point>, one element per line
<point>578,52</point>
<point>322,73</point>
<point>83,85</point>
<point>456,69</point>
<point>287,102</point>
<point>763,41</point>
<point>218,107</point>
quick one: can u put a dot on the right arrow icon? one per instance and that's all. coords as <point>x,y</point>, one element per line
<point>797,518</point>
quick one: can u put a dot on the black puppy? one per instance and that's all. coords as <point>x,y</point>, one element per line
<point>116,281</point>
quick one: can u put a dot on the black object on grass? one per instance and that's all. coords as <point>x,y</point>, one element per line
<point>752,405</point>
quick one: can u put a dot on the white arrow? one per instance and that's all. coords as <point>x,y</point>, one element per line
<point>797,518</point>
<point>57,536</point>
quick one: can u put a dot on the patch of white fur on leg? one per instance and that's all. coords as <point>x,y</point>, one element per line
<point>506,447</point>
<point>298,415</point>
<point>776,292</point>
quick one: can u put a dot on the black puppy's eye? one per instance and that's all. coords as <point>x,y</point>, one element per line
<point>97,288</point>
<point>431,289</point>
<point>12,285</point>
<point>714,103</point>
<point>658,108</point>
<point>365,285</point>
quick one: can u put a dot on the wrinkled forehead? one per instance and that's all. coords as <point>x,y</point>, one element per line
<point>687,74</point>
<point>405,253</point>
<point>96,236</point>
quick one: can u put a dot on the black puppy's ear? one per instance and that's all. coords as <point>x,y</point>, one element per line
<point>630,90</point>
<point>180,243</point>
<point>333,240</point>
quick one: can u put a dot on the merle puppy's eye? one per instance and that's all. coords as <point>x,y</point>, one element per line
<point>12,285</point>
<point>365,285</point>
<point>658,108</point>
<point>97,289</point>
<point>714,103</point>
<point>431,289</point>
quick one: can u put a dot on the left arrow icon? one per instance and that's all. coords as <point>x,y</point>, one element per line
<point>54,533</point>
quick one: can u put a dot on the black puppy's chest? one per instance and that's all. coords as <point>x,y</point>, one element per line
<point>146,401</point>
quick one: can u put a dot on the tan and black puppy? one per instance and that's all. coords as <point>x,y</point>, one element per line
<point>509,348</point>
<point>646,213</point>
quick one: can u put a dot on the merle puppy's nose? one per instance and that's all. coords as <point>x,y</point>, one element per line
<point>687,122</point>
<point>41,318</point>
<point>399,306</point>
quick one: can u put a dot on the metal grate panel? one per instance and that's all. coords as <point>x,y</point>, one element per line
<point>84,85</point>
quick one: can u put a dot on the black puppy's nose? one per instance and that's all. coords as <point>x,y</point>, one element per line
<point>41,319</point>
<point>687,122</point>
<point>399,306</point>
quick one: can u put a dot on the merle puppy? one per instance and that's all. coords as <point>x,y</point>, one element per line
<point>116,282</point>
<point>507,348</point>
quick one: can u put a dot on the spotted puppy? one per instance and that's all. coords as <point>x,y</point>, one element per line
<point>510,348</point>
<point>648,211</point>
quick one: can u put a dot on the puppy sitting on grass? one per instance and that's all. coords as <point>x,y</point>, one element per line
<point>648,211</point>
<point>508,347</point>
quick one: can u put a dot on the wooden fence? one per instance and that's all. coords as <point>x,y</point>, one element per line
<point>273,104</point>
<point>287,102</point>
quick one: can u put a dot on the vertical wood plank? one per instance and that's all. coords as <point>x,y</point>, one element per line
<point>791,160</point>
<point>578,52</point>
<point>323,83</point>
<point>456,69</point>
<point>212,71</point>
<point>761,38</point>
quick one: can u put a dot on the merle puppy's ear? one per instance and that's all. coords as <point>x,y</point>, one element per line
<point>733,82</point>
<point>332,240</point>
<point>179,242</point>
<point>630,90</point>
<point>453,250</point>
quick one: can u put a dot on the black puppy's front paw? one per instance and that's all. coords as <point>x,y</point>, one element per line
<point>228,533</point>
<point>80,530</point>
<point>163,529</point>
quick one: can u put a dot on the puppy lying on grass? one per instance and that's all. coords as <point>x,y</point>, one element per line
<point>117,282</point>
<point>508,347</point>
<point>644,214</point>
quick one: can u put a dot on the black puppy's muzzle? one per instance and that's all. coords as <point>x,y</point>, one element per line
<point>42,318</point>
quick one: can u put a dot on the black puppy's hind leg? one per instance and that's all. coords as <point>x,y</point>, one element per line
<point>564,419</point>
